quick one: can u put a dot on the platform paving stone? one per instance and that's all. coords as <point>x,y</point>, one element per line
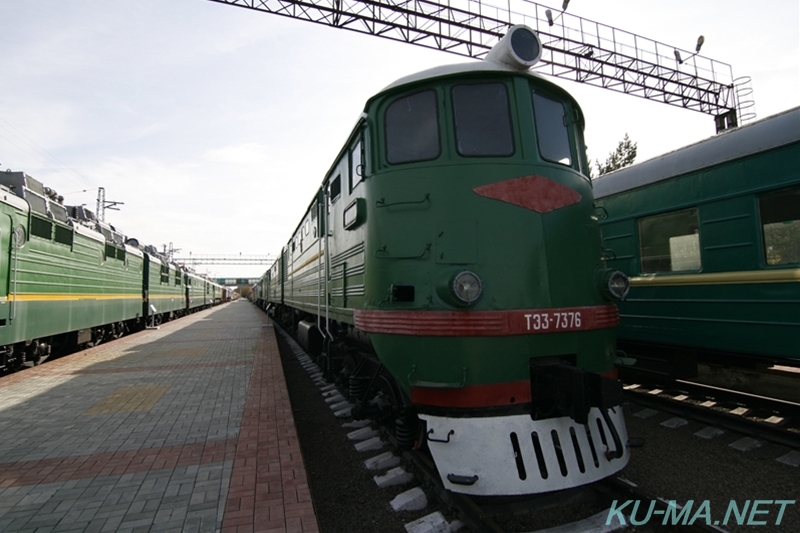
<point>184,428</point>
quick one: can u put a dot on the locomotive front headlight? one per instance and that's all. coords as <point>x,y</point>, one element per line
<point>618,284</point>
<point>467,287</point>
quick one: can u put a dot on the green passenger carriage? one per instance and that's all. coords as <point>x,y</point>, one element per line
<point>710,235</point>
<point>450,270</point>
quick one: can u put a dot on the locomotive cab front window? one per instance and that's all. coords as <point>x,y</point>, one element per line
<point>482,120</point>
<point>412,128</point>
<point>552,130</point>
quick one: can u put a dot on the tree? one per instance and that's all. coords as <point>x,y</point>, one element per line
<point>623,156</point>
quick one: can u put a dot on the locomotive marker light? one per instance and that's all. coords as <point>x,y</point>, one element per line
<point>467,287</point>
<point>616,284</point>
<point>520,48</point>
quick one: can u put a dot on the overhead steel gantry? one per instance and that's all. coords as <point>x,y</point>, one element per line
<point>575,48</point>
<point>222,259</point>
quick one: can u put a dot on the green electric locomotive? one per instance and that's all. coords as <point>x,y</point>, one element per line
<point>59,275</point>
<point>71,280</point>
<point>710,235</point>
<point>450,268</point>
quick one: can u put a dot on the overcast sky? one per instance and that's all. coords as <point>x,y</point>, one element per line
<point>215,124</point>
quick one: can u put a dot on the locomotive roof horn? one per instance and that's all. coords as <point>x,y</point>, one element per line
<point>520,48</point>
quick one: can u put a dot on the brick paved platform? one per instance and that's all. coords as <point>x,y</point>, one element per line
<point>184,428</point>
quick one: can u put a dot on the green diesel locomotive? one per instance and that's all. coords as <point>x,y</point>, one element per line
<point>71,280</point>
<point>449,271</point>
<point>710,235</point>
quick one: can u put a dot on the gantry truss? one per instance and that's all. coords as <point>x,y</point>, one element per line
<point>222,259</point>
<point>575,48</point>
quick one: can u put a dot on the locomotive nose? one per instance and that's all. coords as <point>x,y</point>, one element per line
<point>614,284</point>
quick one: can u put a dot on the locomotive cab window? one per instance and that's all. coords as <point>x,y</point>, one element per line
<point>670,242</point>
<point>335,189</point>
<point>356,164</point>
<point>482,120</point>
<point>780,224</point>
<point>412,128</point>
<point>552,130</point>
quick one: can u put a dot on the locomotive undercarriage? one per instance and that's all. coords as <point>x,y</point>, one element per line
<point>347,359</point>
<point>17,356</point>
<point>35,352</point>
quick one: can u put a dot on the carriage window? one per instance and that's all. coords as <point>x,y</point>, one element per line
<point>551,129</point>
<point>412,128</point>
<point>670,242</point>
<point>780,222</point>
<point>482,120</point>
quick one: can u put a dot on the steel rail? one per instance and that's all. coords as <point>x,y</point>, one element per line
<point>707,415</point>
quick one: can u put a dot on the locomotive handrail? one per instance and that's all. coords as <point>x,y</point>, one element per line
<point>444,441</point>
<point>381,253</point>
<point>382,201</point>
<point>608,254</point>
<point>13,305</point>
<point>600,212</point>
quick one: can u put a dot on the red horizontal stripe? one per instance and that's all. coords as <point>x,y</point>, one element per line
<point>474,395</point>
<point>486,323</point>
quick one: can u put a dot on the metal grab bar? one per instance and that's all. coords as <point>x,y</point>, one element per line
<point>382,202</point>
<point>382,253</point>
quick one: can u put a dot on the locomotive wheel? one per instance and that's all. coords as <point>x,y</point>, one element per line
<point>116,330</point>
<point>386,386</point>
<point>14,358</point>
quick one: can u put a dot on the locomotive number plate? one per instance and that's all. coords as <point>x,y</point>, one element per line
<point>487,323</point>
<point>553,321</point>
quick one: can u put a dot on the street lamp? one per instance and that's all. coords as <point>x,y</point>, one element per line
<point>700,41</point>
<point>549,14</point>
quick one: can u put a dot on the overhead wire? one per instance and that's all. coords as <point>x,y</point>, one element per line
<point>39,152</point>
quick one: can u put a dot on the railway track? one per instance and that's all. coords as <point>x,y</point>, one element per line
<point>770,419</point>
<point>506,515</point>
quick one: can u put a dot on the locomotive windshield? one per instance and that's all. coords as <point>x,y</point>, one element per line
<point>412,128</point>
<point>482,120</point>
<point>551,129</point>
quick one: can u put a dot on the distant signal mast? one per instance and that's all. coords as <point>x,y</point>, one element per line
<point>575,48</point>
<point>103,204</point>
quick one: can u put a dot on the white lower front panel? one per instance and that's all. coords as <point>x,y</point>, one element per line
<point>507,455</point>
